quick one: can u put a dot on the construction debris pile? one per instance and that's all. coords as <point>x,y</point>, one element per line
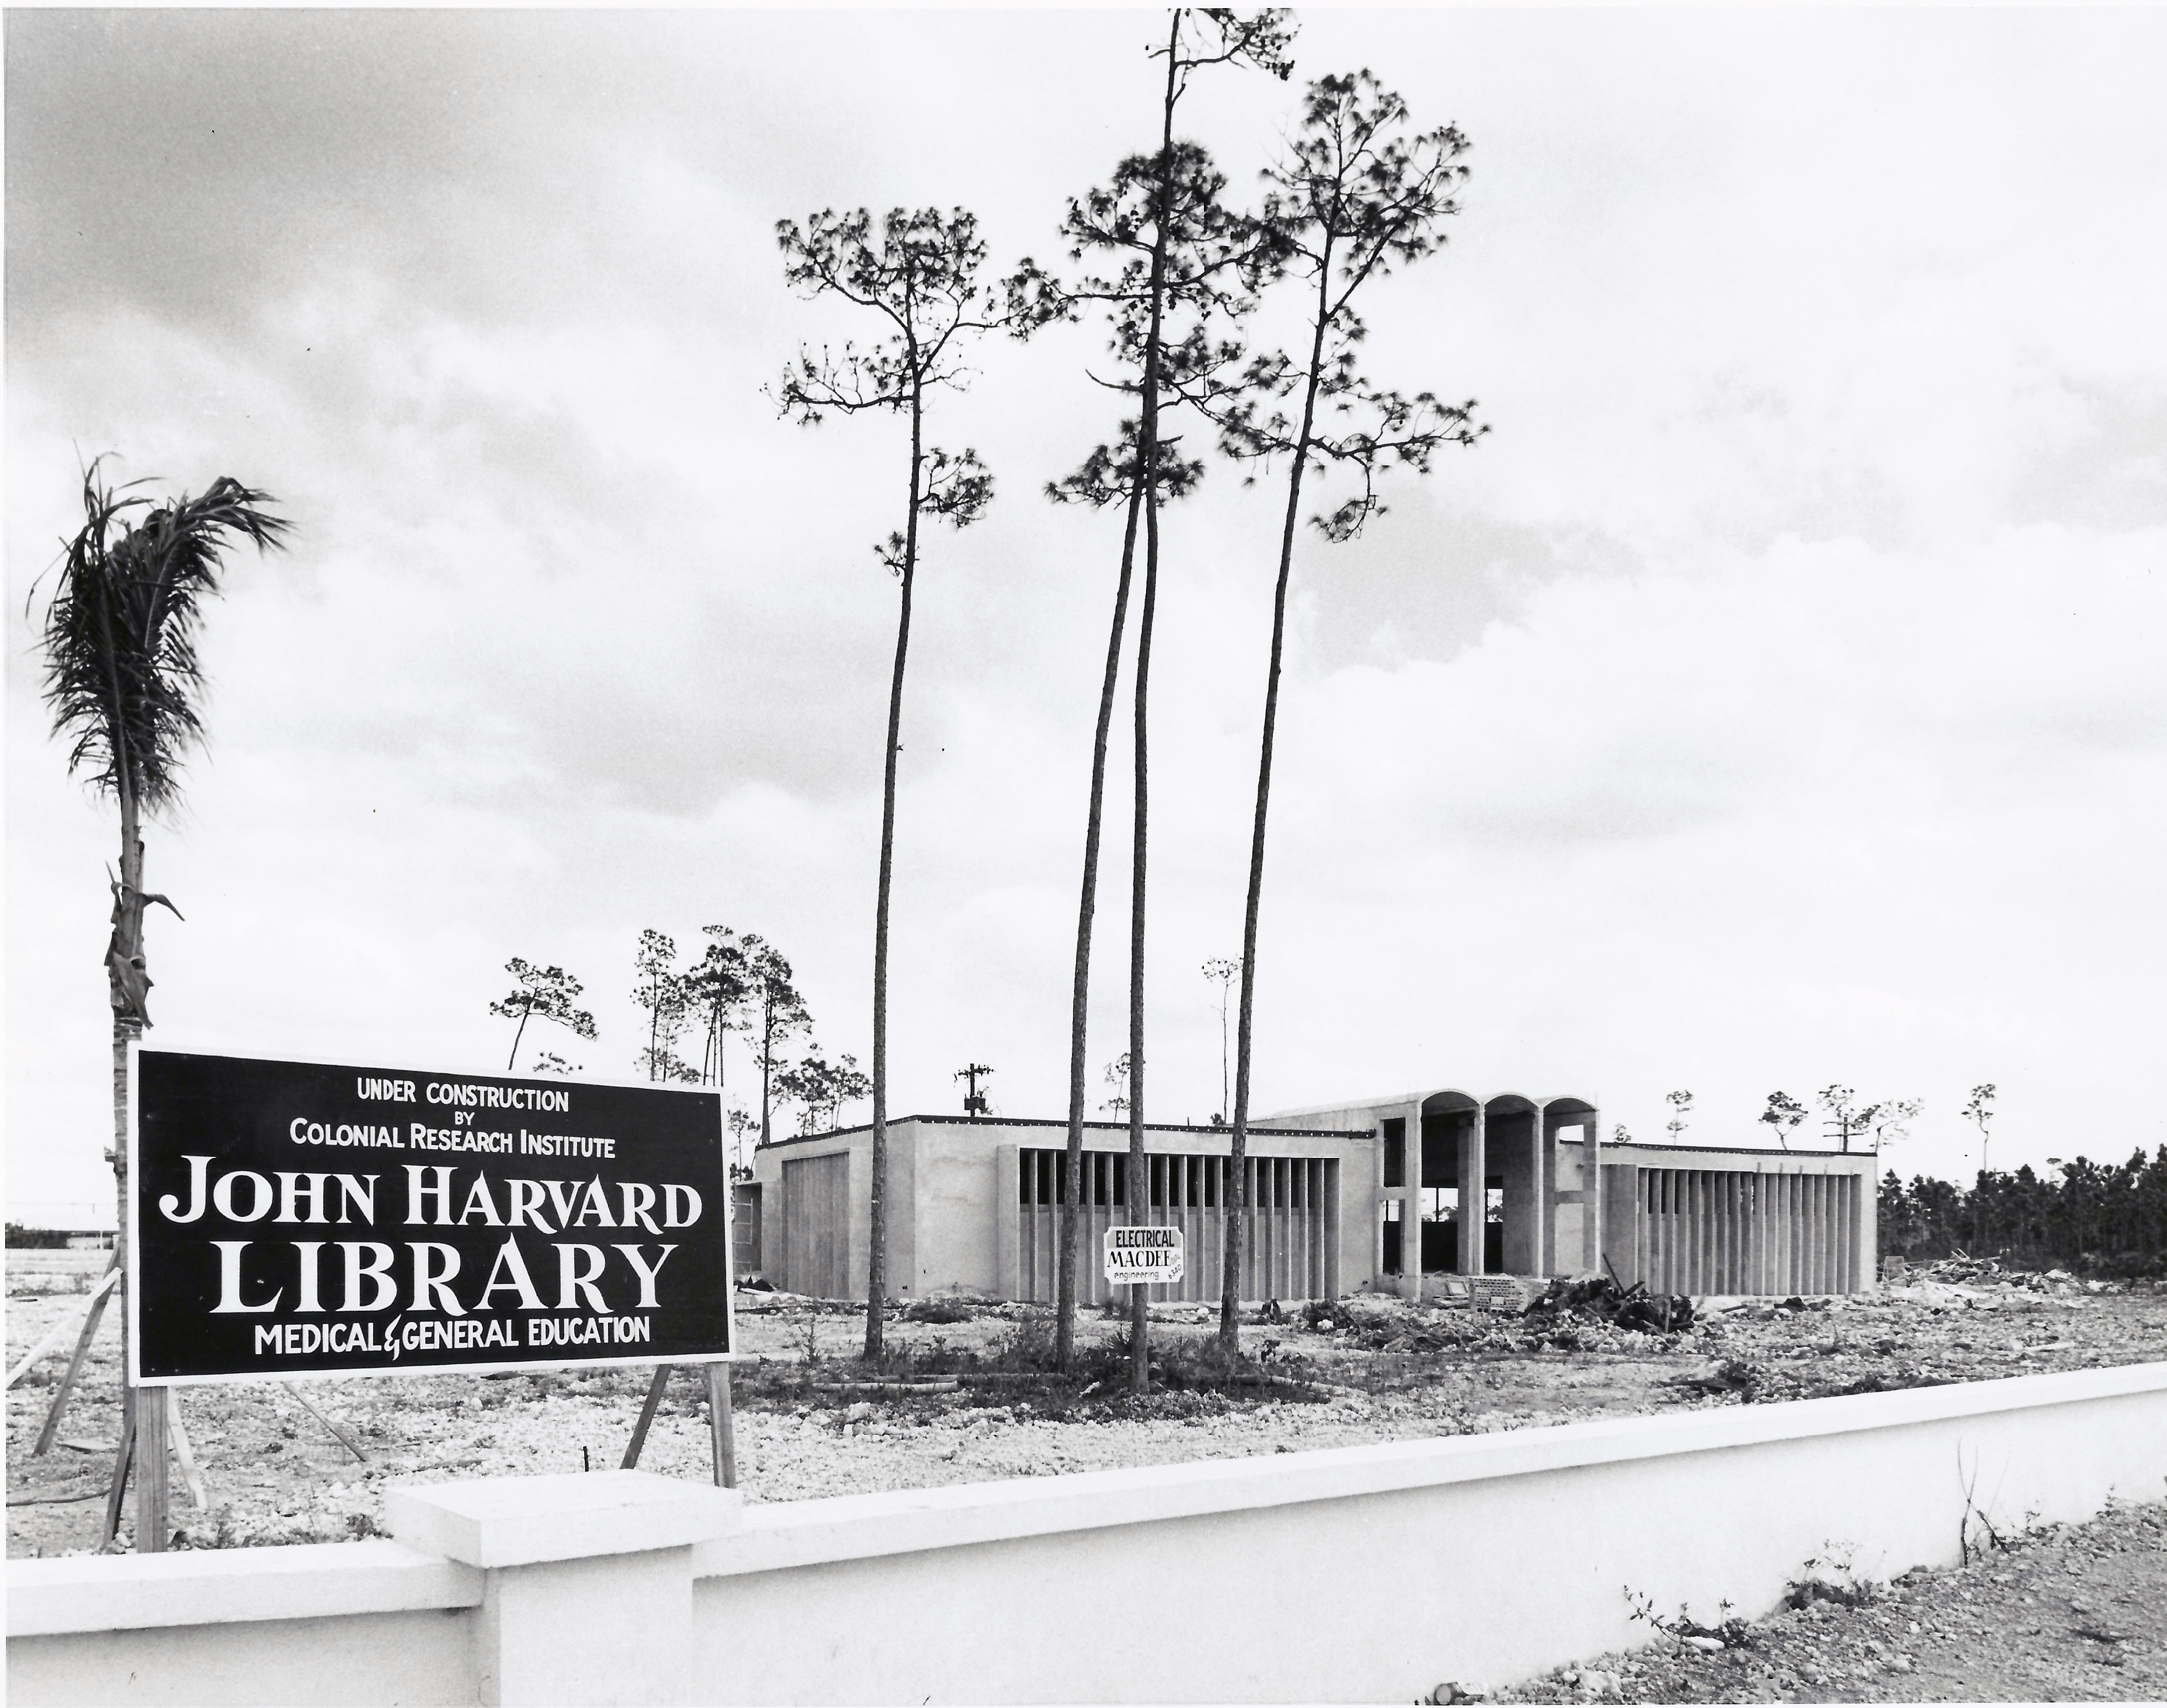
<point>1985,1272</point>
<point>1597,1298</point>
<point>1980,1283</point>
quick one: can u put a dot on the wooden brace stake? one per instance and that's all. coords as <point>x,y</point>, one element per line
<point>346,1440</point>
<point>646,1417</point>
<point>183,1451</point>
<point>122,1455</point>
<point>65,1391</point>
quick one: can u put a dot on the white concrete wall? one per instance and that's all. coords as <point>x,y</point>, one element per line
<point>1505,1554</point>
<point>959,1206</point>
<point>947,1204</point>
<point>356,1622</point>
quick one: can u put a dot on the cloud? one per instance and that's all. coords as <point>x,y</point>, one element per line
<point>1769,700</point>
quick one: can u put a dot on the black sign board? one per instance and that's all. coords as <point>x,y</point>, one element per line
<point>291,1218</point>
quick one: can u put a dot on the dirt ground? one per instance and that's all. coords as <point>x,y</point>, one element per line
<point>1366,1369</point>
<point>2069,1614</point>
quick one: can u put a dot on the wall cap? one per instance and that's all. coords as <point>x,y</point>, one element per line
<point>527,1520</point>
<point>228,1586</point>
<point>861,1526</point>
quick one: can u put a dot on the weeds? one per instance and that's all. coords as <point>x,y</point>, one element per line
<point>1728,1630</point>
<point>1978,1534</point>
<point>1832,1576</point>
<point>937,1310</point>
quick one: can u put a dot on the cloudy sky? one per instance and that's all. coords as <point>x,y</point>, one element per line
<point>1774,699</point>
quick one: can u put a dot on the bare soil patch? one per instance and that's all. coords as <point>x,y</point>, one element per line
<point>2069,1614</point>
<point>962,1402</point>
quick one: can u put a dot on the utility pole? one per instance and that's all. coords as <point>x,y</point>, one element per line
<point>974,1099</point>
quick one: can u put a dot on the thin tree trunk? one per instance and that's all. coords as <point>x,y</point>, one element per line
<point>513,1061</point>
<point>1230,1289</point>
<point>1139,1163</point>
<point>1080,998</point>
<point>1139,1193</point>
<point>877,1258</point>
<point>767,1059</point>
<point>128,934</point>
<point>1223,1093</point>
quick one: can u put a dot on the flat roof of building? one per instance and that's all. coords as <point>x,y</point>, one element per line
<point>1629,1148</point>
<point>1642,1147</point>
<point>1208,1130</point>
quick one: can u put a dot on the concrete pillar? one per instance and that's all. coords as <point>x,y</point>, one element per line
<point>587,1586</point>
<point>1377,1204</point>
<point>1411,1185</point>
<point>1590,1195</point>
<point>1474,1193</point>
<point>1868,1274</point>
<point>1541,1183</point>
<point>1008,1216</point>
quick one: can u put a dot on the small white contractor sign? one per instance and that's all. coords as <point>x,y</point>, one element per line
<point>1147,1256</point>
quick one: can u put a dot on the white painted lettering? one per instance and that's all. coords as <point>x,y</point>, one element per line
<point>646,1276</point>
<point>512,1266</point>
<point>431,1290</point>
<point>418,1191</point>
<point>638,1200</point>
<point>672,1197</point>
<point>198,1166</point>
<point>228,1272</point>
<point>574,1277</point>
<point>384,1289</point>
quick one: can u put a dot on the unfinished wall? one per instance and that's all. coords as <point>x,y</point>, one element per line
<point>1686,1222</point>
<point>957,1189</point>
<point>954,1197</point>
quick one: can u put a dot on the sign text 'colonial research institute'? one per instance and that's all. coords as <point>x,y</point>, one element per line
<point>291,1218</point>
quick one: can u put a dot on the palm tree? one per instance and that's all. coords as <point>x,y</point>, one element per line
<point>125,687</point>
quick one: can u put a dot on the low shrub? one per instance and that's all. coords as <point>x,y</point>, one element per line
<point>937,1309</point>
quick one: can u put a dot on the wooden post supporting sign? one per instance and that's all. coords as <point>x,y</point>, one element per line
<point>722,1426</point>
<point>153,1485</point>
<point>722,1422</point>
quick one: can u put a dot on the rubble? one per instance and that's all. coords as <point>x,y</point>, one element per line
<point>1971,1274</point>
<point>2058,1614</point>
<point>958,1401</point>
<point>1598,1298</point>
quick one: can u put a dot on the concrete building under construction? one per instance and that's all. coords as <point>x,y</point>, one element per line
<point>1339,1197</point>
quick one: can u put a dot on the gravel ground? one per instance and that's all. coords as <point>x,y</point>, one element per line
<point>2070,1613</point>
<point>275,1472</point>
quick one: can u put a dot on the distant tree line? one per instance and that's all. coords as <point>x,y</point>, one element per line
<point>2108,1218</point>
<point>740,983</point>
